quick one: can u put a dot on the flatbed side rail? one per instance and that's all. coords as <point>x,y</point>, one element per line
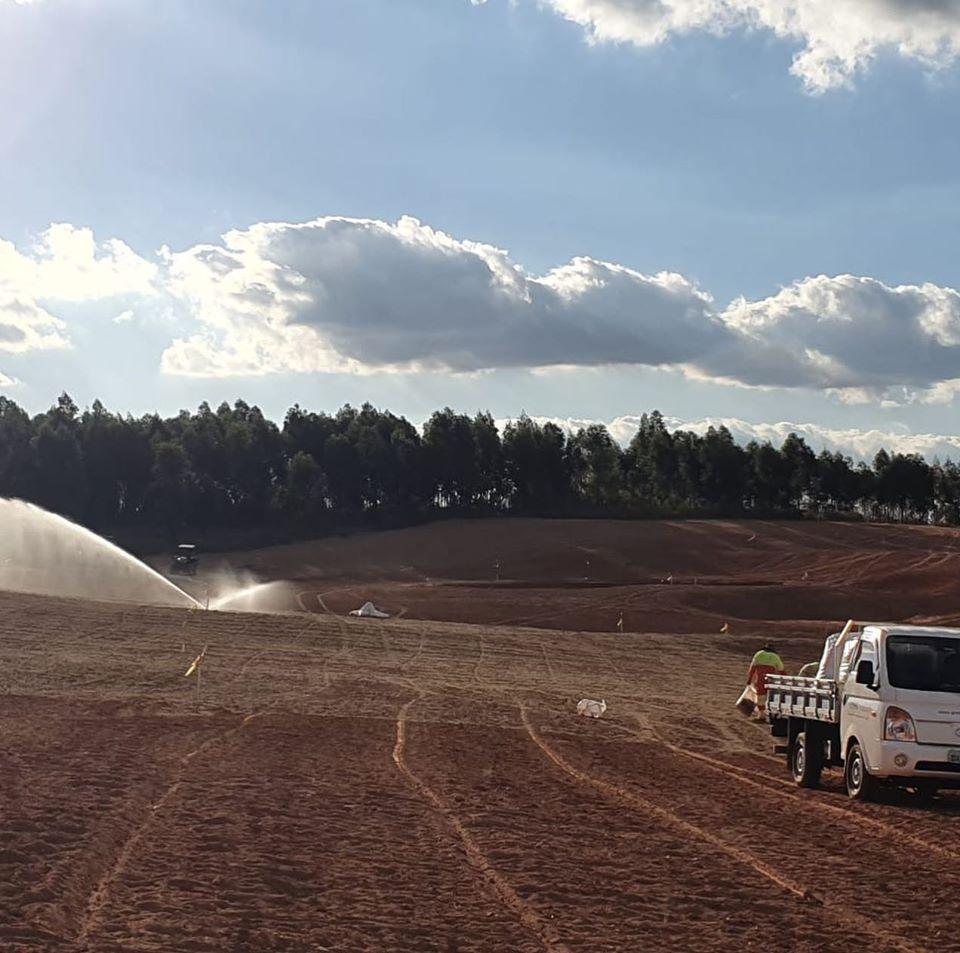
<point>793,696</point>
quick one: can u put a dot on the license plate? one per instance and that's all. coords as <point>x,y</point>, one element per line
<point>953,756</point>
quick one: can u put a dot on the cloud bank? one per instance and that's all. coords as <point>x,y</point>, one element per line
<point>837,38</point>
<point>341,294</point>
<point>361,296</point>
<point>65,265</point>
<point>858,444</point>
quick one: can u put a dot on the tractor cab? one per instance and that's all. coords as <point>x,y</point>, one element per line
<point>185,560</point>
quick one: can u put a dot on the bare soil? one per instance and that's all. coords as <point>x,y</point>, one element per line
<point>413,784</point>
<point>753,577</point>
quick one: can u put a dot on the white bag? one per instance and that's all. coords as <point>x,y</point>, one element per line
<point>747,702</point>
<point>589,707</point>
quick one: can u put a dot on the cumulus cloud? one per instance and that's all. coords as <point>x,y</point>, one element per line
<point>354,294</point>
<point>362,295</point>
<point>853,335</point>
<point>25,326</point>
<point>837,38</point>
<point>65,264</point>
<point>858,444</point>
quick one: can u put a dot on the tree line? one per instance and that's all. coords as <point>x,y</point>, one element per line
<point>232,467</point>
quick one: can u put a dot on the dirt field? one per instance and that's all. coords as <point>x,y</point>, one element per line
<point>665,576</point>
<point>345,784</point>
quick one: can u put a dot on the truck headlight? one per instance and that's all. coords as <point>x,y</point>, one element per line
<point>898,725</point>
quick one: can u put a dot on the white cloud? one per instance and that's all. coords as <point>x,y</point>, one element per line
<point>364,295</point>
<point>852,335</point>
<point>7,382</point>
<point>67,264</point>
<point>64,265</point>
<point>25,326</point>
<point>352,294</point>
<point>858,444</point>
<point>837,38</point>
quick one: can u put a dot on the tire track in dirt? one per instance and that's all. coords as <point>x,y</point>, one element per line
<point>545,613</point>
<point>99,898</point>
<point>775,786</point>
<point>547,662</point>
<point>843,915</point>
<point>417,655</point>
<point>260,653</point>
<point>545,933</point>
<point>481,657</point>
<point>309,592</point>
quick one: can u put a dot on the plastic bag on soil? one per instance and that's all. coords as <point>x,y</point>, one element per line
<point>369,611</point>
<point>747,702</point>
<point>591,708</point>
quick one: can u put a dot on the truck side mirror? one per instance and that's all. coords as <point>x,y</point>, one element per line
<point>865,673</point>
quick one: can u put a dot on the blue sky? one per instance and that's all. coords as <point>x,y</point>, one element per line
<point>558,131</point>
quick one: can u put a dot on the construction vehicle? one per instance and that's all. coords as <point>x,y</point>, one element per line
<point>884,706</point>
<point>185,560</point>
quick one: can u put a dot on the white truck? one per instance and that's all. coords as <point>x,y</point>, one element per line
<point>884,705</point>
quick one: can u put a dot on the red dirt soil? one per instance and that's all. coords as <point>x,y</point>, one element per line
<point>349,784</point>
<point>664,576</point>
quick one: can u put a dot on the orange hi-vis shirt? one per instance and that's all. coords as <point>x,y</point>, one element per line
<point>763,664</point>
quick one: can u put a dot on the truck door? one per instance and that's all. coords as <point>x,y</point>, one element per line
<point>860,705</point>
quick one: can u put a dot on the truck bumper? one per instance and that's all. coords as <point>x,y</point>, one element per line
<point>900,759</point>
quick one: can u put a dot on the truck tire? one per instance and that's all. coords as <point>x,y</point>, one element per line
<point>861,784</point>
<point>806,760</point>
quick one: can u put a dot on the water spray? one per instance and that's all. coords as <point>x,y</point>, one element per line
<point>47,554</point>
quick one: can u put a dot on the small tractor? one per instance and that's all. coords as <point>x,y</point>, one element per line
<point>185,560</point>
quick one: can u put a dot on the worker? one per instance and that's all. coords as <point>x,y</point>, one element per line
<point>765,662</point>
<point>620,623</point>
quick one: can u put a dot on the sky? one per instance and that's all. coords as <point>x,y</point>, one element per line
<point>730,210</point>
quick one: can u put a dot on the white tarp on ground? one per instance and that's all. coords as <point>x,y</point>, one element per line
<point>369,611</point>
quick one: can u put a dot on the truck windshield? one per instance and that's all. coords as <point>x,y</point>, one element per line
<point>923,663</point>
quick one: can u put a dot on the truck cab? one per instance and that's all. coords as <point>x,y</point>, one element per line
<point>886,710</point>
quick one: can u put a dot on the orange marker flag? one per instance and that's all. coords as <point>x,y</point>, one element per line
<point>195,664</point>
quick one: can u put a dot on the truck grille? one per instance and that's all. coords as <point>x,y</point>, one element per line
<point>938,766</point>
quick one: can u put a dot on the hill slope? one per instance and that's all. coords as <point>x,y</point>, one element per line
<point>669,576</point>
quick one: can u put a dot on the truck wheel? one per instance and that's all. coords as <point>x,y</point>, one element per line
<point>861,784</point>
<point>806,760</point>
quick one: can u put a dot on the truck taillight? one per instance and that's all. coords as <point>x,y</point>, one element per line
<point>898,725</point>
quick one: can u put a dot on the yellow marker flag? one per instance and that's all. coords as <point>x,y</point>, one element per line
<point>195,664</point>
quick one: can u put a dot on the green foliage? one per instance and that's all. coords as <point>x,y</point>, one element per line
<point>233,468</point>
